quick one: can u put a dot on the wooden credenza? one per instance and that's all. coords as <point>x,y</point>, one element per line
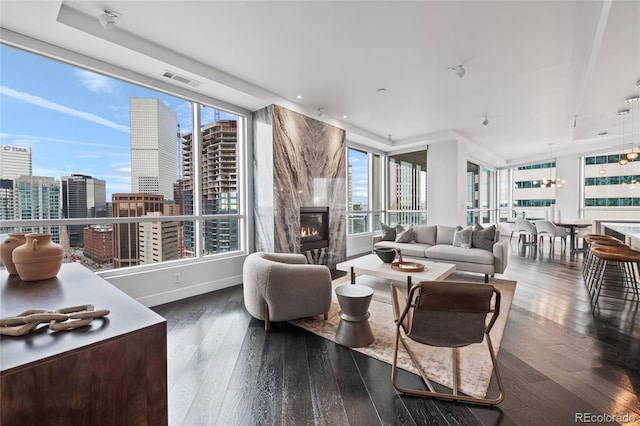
<point>111,372</point>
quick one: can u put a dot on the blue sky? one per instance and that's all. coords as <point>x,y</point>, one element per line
<point>75,121</point>
<point>359,174</point>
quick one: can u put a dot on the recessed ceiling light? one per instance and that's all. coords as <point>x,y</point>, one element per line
<point>459,70</point>
<point>344,116</point>
<point>299,96</point>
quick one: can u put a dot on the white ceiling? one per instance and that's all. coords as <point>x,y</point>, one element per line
<point>532,66</point>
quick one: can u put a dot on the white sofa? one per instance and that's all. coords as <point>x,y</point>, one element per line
<point>435,243</point>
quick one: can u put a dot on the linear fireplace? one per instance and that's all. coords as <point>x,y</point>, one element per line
<point>314,228</point>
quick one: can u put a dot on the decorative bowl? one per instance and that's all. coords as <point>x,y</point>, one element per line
<point>386,254</point>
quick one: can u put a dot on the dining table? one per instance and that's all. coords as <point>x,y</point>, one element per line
<point>573,226</point>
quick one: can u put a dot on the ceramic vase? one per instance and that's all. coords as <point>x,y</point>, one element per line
<point>14,240</point>
<point>38,258</point>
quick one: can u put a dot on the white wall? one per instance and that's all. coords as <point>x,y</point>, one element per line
<point>360,244</point>
<point>158,286</point>
<point>568,196</point>
<point>446,190</point>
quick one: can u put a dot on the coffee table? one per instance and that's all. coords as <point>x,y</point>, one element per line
<point>371,264</point>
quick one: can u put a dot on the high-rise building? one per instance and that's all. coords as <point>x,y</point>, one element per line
<point>98,243</point>
<point>219,172</point>
<point>8,202</point>
<point>82,196</point>
<point>39,198</point>
<point>157,241</point>
<point>125,235</point>
<point>15,161</point>
<point>154,157</point>
<point>611,190</point>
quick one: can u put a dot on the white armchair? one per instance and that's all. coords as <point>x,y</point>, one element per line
<point>546,228</point>
<point>526,229</point>
<point>283,286</point>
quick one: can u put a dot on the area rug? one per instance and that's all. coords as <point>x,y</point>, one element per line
<point>474,360</point>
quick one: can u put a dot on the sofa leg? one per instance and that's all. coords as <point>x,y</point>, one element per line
<point>486,278</point>
<point>267,324</point>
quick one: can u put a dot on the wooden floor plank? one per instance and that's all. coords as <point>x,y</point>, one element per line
<point>556,358</point>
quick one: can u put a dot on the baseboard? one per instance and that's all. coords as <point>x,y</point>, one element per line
<point>185,292</point>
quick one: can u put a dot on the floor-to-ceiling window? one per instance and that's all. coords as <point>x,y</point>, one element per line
<point>480,185</point>
<point>364,191</point>
<point>611,190</point>
<point>407,187</point>
<point>533,194</point>
<point>504,195</point>
<point>114,170</point>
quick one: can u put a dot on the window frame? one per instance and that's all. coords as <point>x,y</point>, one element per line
<point>244,125</point>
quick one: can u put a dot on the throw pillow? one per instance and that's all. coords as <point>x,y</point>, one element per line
<point>483,238</point>
<point>444,234</point>
<point>404,235</point>
<point>462,237</point>
<point>425,234</point>
<point>388,232</point>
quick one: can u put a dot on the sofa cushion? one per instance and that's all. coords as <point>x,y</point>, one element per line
<point>407,249</point>
<point>450,253</point>
<point>404,234</point>
<point>388,232</point>
<point>483,238</point>
<point>444,234</point>
<point>425,234</point>
<point>462,237</point>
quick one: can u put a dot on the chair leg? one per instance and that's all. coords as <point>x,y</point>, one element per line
<point>431,393</point>
<point>267,324</point>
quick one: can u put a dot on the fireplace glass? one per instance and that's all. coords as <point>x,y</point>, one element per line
<point>314,228</point>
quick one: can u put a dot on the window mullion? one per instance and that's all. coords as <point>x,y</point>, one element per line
<point>196,153</point>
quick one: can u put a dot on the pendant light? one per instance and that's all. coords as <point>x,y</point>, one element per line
<point>632,155</point>
<point>623,161</point>
<point>602,171</point>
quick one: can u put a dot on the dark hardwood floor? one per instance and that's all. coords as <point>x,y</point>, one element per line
<point>558,360</point>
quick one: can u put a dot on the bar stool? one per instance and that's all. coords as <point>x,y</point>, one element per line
<point>625,258</point>
<point>588,241</point>
<point>591,261</point>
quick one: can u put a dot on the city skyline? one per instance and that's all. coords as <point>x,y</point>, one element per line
<point>87,112</point>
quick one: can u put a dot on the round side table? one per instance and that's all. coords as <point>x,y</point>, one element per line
<point>354,329</point>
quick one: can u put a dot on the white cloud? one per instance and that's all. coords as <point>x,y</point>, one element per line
<point>41,102</point>
<point>122,171</point>
<point>96,83</point>
<point>30,140</point>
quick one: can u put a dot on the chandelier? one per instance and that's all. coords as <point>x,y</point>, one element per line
<point>551,182</point>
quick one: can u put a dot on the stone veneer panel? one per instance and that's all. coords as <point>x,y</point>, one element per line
<point>298,162</point>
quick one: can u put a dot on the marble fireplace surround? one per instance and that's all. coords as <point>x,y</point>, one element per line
<point>298,162</point>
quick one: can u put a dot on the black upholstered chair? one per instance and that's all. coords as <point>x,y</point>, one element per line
<point>446,314</point>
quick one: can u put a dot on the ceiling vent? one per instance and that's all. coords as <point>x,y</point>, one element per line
<point>182,79</point>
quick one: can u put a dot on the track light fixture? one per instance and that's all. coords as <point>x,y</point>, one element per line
<point>108,19</point>
<point>459,70</point>
<point>485,121</point>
